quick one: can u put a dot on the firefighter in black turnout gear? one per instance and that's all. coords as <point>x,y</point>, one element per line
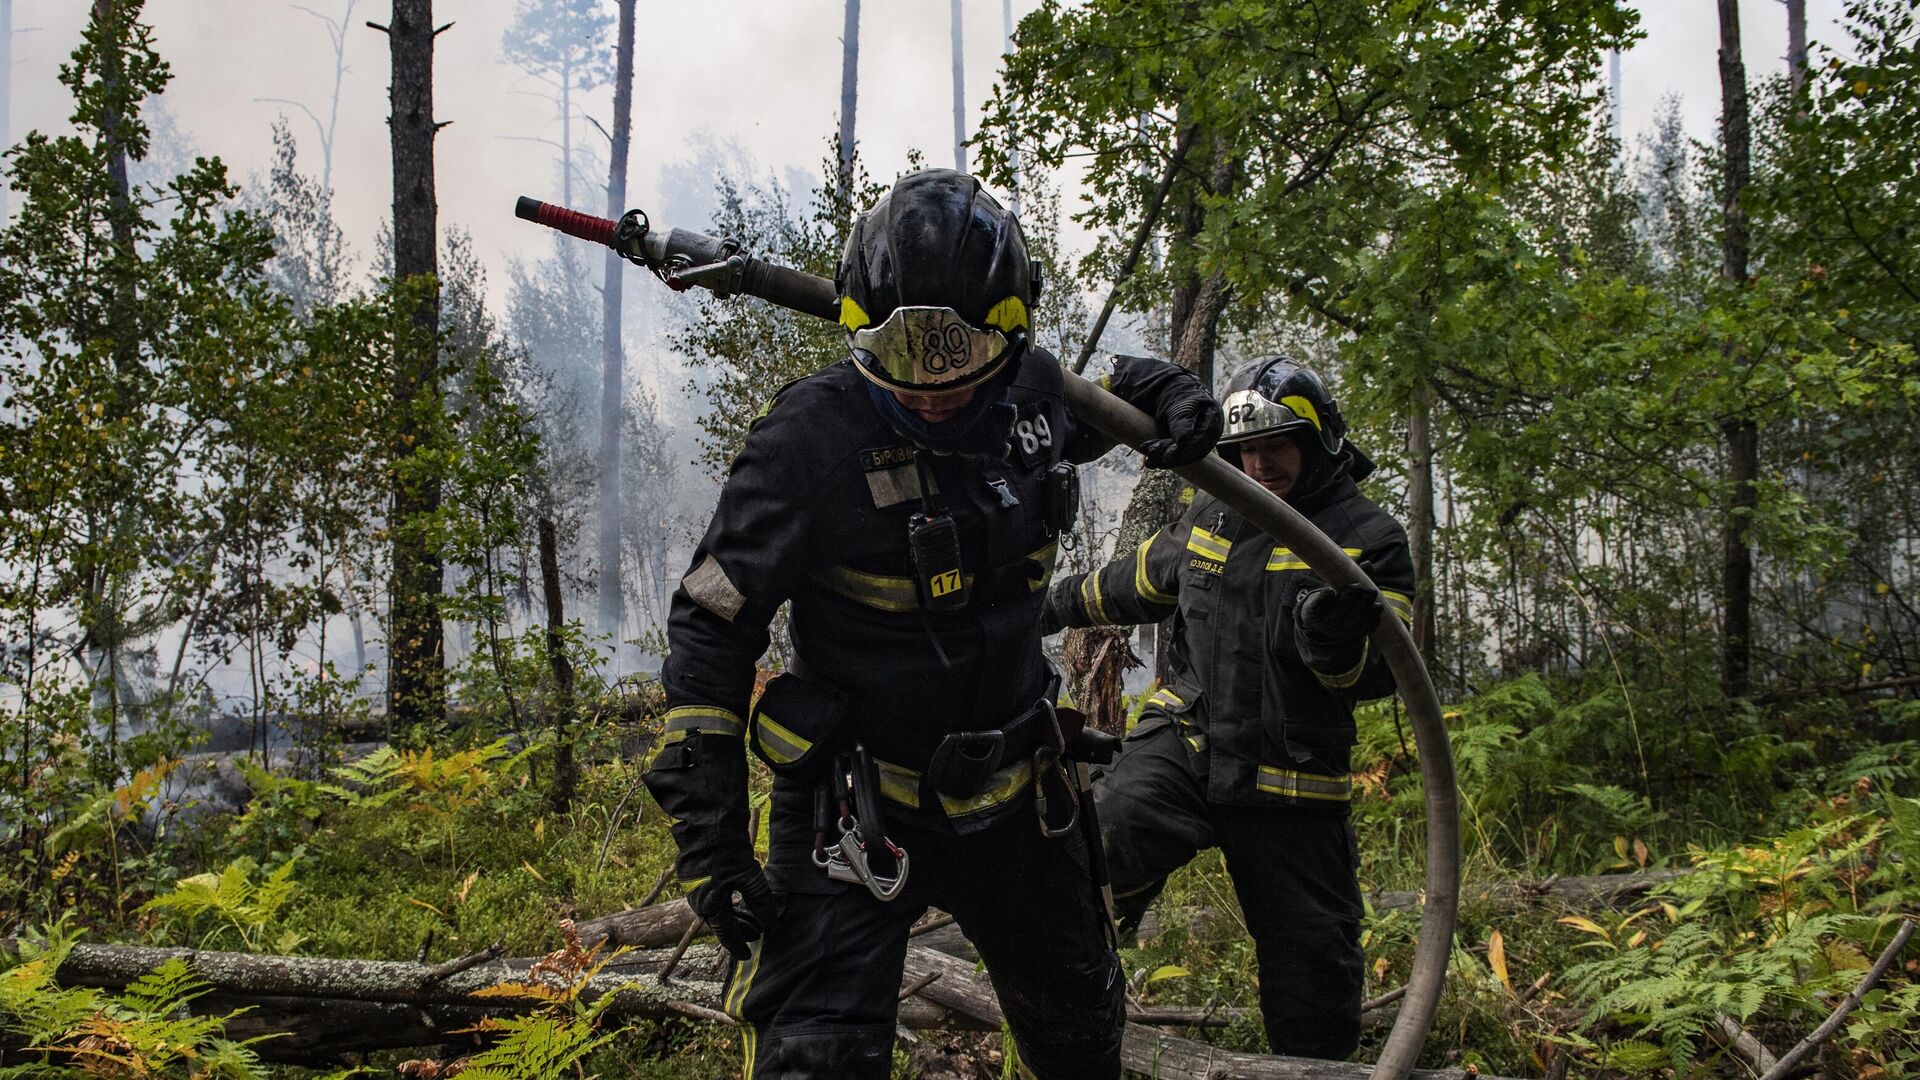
<point>1245,746</point>
<point>908,502</point>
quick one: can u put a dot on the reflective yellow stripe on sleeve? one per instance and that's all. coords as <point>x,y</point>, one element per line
<point>1401,604</point>
<point>1285,559</point>
<point>700,720</point>
<point>1093,601</point>
<point>1164,696</point>
<point>783,745</point>
<point>1299,785</point>
<point>1141,584</point>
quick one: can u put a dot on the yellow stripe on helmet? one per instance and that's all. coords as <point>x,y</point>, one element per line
<point>1303,409</point>
<point>852,316</point>
<point>1009,315</point>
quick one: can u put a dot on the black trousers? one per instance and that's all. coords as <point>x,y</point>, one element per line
<point>819,996</point>
<point>1293,869</point>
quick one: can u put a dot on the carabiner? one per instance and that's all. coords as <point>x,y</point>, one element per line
<point>847,862</point>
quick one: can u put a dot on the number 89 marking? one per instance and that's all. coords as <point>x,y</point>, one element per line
<point>1033,434</point>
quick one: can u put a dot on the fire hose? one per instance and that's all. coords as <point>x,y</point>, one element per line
<point>683,259</point>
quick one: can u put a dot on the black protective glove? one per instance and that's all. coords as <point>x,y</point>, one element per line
<point>1177,400</point>
<point>736,924</point>
<point>1053,614</point>
<point>1337,616</point>
<point>701,782</point>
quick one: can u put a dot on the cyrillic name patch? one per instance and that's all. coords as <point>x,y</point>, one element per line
<point>710,587</point>
<point>886,457</point>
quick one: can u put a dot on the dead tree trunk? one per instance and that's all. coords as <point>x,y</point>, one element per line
<point>1738,431</point>
<point>849,102</point>
<point>959,94</point>
<point>612,359</point>
<point>416,688</point>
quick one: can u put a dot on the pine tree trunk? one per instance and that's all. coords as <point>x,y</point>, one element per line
<point>849,100</point>
<point>415,636</point>
<point>1738,432</point>
<point>107,523</point>
<point>612,359</point>
<point>959,94</point>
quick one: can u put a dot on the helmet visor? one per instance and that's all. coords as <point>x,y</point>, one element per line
<point>928,350</point>
<point>1251,414</point>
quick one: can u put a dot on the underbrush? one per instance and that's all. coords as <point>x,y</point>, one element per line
<point>1798,833</point>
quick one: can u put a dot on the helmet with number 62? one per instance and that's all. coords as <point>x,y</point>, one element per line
<point>935,285</point>
<point>1277,395</point>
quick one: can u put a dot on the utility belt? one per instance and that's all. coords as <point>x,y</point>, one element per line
<point>801,728</point>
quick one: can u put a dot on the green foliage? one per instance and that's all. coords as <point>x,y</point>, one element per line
<point>233,900</point>
<point>144,1031</point>
<point>1301,146</point>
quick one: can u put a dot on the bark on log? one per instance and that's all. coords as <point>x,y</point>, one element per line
<point>388,981</point>
<point>1596,890</point>
<point>642,928</point>
<point>1146,1050</point>
<point>320,1008</point>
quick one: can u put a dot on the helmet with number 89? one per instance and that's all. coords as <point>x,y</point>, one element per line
<point>935,284</point>
<point>1277,395</point>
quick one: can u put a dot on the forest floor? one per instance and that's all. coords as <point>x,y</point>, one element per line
<point>1799,862</point>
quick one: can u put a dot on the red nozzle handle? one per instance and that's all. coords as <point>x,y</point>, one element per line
<point>572,222</point>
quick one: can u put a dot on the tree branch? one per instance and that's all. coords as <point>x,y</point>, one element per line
<point>1808,1045</point>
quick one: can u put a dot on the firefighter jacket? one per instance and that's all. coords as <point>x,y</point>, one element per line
<point>815,512</point>
<point>1272,711</point>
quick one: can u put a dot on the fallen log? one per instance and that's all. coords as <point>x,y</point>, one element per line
<point>1598,889</point>
<point>326,1006</point>
<point>664,923</point>
<point>318,1008</point>
<point>1145,1050</point>
<point>641,927</point>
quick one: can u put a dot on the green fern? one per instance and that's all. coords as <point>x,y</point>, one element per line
<point>144,1031</point>
<point>234,898</point>
<point>1671,990</point>
<point>534,1048</point>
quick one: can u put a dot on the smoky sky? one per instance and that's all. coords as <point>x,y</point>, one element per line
<point>764,73</point>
